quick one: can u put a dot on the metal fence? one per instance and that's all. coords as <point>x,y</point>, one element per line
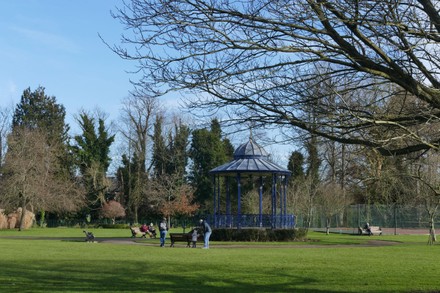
<point>354,216</point>
<point>386,216</point>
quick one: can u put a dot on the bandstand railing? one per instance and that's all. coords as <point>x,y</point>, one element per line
<point>252,221</point>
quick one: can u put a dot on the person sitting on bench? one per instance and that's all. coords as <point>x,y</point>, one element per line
<point>143,228</point>
<point>367,228</point>
<point>152,230</point>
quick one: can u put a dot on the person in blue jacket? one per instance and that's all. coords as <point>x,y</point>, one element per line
<point>163,228</point>
<point>206,232</point>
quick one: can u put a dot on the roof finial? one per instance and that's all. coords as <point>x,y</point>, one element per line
<point>250,134</point>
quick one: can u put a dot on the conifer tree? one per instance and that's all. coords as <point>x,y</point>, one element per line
<point>92,152</point>
<point>208,150</point>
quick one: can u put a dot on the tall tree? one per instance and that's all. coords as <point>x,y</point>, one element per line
<point>41,113</point>
<point>160,154</point>
<point>132,192</point>
<point>92,152</point>
<point>137,117</point>
<point>172,194</point>
<point>258,59</point>
<point>208,150</point>
<point>36,110</point>
<point>178,147</point>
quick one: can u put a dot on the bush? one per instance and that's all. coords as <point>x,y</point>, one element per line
<point>258,235</point>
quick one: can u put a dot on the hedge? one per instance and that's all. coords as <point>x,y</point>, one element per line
<point>258,235</point>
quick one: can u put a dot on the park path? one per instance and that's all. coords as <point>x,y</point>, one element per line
<point>370,243</point>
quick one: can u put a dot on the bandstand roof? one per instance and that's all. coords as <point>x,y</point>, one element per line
<point>250,158</point>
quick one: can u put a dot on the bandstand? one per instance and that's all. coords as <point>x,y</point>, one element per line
<point>251,161</point>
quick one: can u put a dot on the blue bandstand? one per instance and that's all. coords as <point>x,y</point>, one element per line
<point>250,161</point>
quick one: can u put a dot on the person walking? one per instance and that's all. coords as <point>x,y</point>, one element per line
<point>206,233</point>
<point>163,228</point>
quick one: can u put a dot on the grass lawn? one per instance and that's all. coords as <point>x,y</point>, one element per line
<point>30,262</point>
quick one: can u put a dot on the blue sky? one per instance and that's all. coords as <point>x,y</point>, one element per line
<point>55,44</point>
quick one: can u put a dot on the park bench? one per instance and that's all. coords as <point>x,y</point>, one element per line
<point>183,237</point>
<point>135,231</point>
<point>375,230</point>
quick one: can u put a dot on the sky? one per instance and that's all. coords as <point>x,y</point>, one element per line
<point>55,44</point>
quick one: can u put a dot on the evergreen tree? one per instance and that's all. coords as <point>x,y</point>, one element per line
<point>160,155</point>
<point>171,193</point>
<point>92,153</point>
<point>178,147</point>
<point>129,186</point>
<point>313,160</point>
<point>208,150</point>
<point>295,165</point>
<point>37,110</point>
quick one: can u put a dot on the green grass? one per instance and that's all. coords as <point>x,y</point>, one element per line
<point>332,263</point>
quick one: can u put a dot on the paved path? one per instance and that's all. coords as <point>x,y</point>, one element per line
<point>370,243</point>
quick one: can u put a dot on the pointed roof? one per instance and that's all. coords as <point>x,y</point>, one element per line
<point>250,150</point>
<point>250,158</point>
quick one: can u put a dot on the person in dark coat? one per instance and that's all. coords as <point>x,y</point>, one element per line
<point>206,233</point>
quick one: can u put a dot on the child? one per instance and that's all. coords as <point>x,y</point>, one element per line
<point>194,236</point>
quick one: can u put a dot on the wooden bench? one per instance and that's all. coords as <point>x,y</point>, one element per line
<point>375,230</point>
<point>135,231</point>
<point>183,237</point>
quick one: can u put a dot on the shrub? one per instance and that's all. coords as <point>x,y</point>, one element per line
<point>258,235</point>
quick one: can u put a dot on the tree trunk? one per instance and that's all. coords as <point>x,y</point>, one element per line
<point>135,210</point>
<point>23,214</point>
<point>432,237</point>
<point>327,228</point>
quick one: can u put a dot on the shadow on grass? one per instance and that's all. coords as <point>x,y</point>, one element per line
<point>134,276</point>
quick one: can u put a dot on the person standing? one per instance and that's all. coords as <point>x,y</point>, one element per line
<point>194,236</point>
<point>163,228</point>
<point>206,232</point>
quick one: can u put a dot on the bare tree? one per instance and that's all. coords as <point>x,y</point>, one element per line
<point>428,189</point>
<point>172,196</point>
<point>29,176</point>
<point>137,115</point>
<point>331,201</point>
<point>258,60</point>
<point>302,199</point>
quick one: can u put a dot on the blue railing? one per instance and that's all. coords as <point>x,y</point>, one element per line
<point>252,221</point>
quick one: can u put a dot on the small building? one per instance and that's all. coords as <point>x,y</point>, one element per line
<point>251,162</point>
